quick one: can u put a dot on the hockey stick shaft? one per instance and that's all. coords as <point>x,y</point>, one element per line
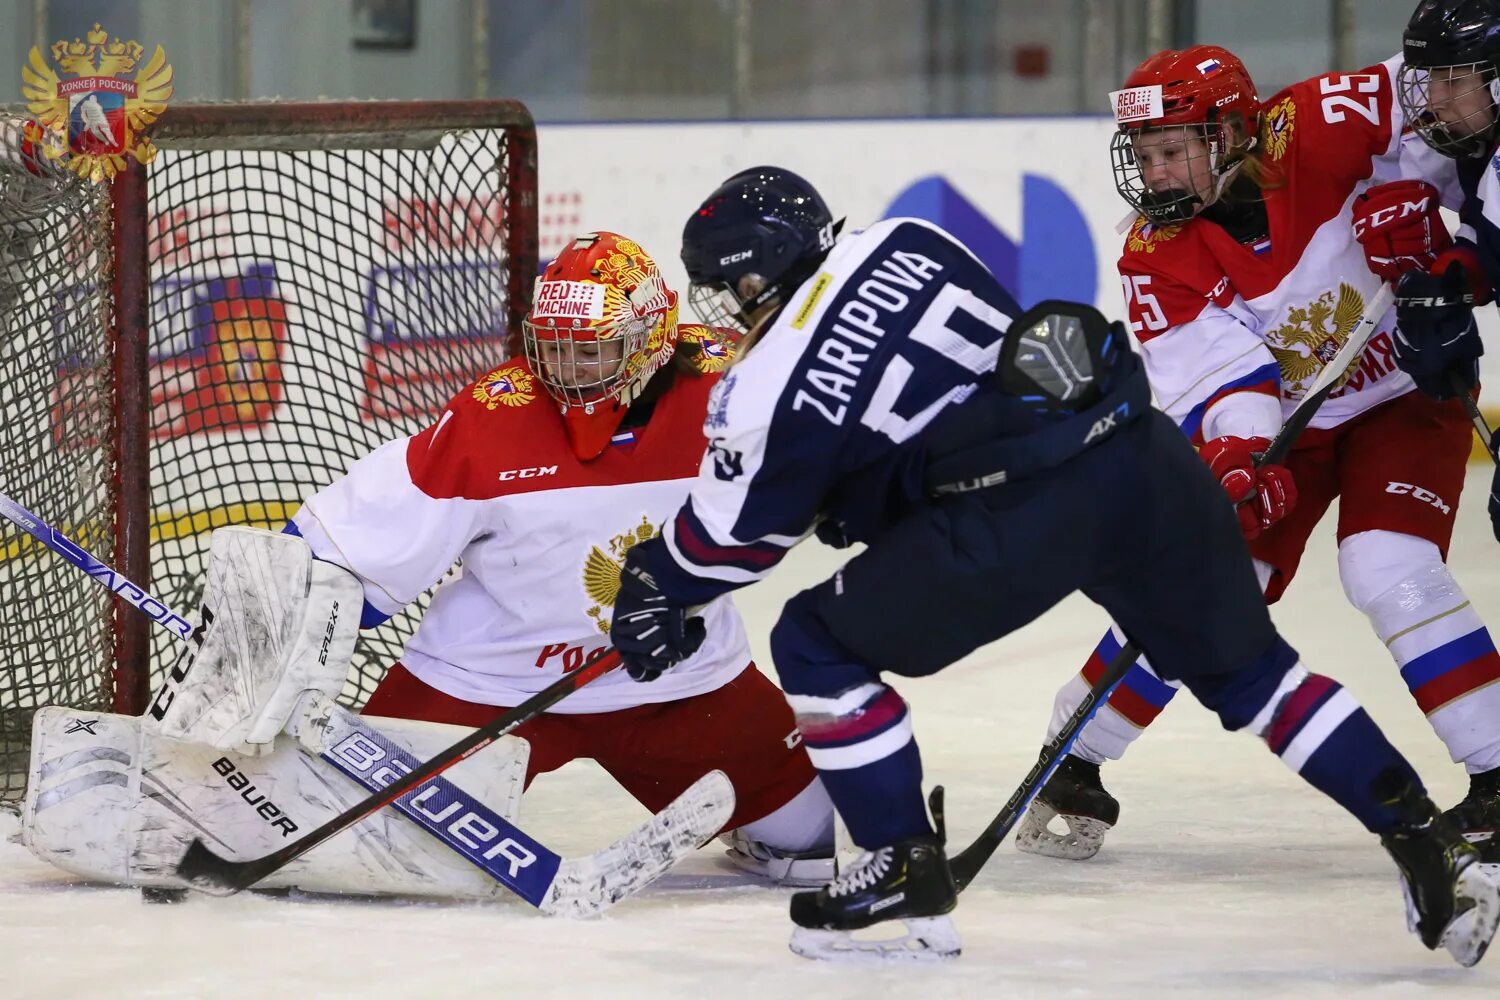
<point>107,578</point>
<point>207,870</point>
<point>967,863</point>
<point>1471,407</point>
<point>511,863</point>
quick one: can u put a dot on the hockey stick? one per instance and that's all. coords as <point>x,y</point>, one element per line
<point>553,884</point>
<point>967,863</point>
<point>1481,425</point>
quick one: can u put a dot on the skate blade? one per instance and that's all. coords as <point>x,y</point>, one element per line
<point>1082,841</point>
<point>927,939</point>
<point>1468,936</point>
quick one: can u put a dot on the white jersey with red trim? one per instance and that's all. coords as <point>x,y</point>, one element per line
<point>540,534</point>
<point>1218,320</point>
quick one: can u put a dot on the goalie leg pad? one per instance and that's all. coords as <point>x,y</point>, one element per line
<point>275,622</point>
<point>113,803</point>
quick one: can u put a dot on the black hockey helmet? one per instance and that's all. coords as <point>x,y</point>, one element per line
<point>753,241</point>
<point>1449,87</point>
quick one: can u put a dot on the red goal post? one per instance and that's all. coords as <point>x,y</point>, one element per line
<point>208,338</point>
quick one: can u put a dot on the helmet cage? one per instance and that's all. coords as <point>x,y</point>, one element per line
<point>580,365</point>
<point>1173,206</point>
<point>1478,130</point>
<point>715,304</point>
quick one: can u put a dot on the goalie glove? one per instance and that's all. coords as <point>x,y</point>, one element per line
<point>276,623</point>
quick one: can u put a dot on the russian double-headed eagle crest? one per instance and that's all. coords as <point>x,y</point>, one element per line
<point>1280,123</point>
<point>1312,335</point>
<point>1145,235</point>
<point>101,111</point>
<point>601,571</point>
<point>508,386</point>
<point>712,354</point>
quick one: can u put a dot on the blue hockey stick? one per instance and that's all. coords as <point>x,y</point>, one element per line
<point>481,836</point>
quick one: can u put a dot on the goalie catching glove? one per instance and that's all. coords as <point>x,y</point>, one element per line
<point>275,623</point>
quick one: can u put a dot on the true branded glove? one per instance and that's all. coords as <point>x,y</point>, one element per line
<point>1261,496</point>
<point>1495,502</point>
<point>1435,333</point>
<point>650,631</point>
<point>1399,228</point>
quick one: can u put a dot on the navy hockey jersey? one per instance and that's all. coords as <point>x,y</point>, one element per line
<point>900,323</point>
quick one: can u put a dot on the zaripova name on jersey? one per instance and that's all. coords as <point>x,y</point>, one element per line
<point>855,324</point>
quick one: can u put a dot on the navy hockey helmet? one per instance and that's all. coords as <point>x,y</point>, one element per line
<point>752,242</point>
<point>1449,86</point>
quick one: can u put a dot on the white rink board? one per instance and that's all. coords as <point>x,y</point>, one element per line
<point>645,180</point>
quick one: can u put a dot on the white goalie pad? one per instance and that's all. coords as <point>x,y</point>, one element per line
<point>275,623</point>
<point>111,802</point>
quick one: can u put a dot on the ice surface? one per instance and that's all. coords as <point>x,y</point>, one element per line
<point>1227,877</point>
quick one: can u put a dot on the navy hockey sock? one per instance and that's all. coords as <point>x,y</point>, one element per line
<point>1323,734</point>
<point>861,743</point>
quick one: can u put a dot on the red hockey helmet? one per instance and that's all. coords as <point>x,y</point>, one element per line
<point>1205,88</point>
<point>602,323</point>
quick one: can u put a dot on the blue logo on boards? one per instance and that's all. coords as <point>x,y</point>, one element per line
<point>1056,260</point>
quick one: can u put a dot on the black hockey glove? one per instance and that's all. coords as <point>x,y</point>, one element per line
<point>1435,331</point>
<point>651,633</point>
<point>1495,502</point>
<point>831,533</point>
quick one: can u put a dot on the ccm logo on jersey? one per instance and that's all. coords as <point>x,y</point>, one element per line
<point>1417,492</point>
<point>1380,218</point>
<point>532,473</point>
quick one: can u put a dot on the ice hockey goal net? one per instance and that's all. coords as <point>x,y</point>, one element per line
<point>207,339</point>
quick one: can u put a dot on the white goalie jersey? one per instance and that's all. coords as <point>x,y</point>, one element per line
<point>540,534</point>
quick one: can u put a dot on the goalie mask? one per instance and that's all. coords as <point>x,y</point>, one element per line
<point>602,323</point>
<point>1186,121</point>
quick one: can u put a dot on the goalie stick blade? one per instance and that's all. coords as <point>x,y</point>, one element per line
<point>206,872</point>
<point>584,887</point>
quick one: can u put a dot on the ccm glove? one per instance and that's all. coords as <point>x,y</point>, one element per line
<point>1261,496</point>
<point>1435,333</point>
<point>1399,228</point>
<point>652,633</point>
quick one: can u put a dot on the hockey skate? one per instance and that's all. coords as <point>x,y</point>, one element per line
<point>1075,795</point>
<point>798,869</point>
<point>1477,817</point>
<point>1452,900</point>
<point>907,882</point>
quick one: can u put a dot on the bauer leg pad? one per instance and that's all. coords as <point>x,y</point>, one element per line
<point>113,803</point>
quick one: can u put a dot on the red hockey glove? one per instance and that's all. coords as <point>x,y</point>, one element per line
<point>1399,228</point>
<point>1261,496</point>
